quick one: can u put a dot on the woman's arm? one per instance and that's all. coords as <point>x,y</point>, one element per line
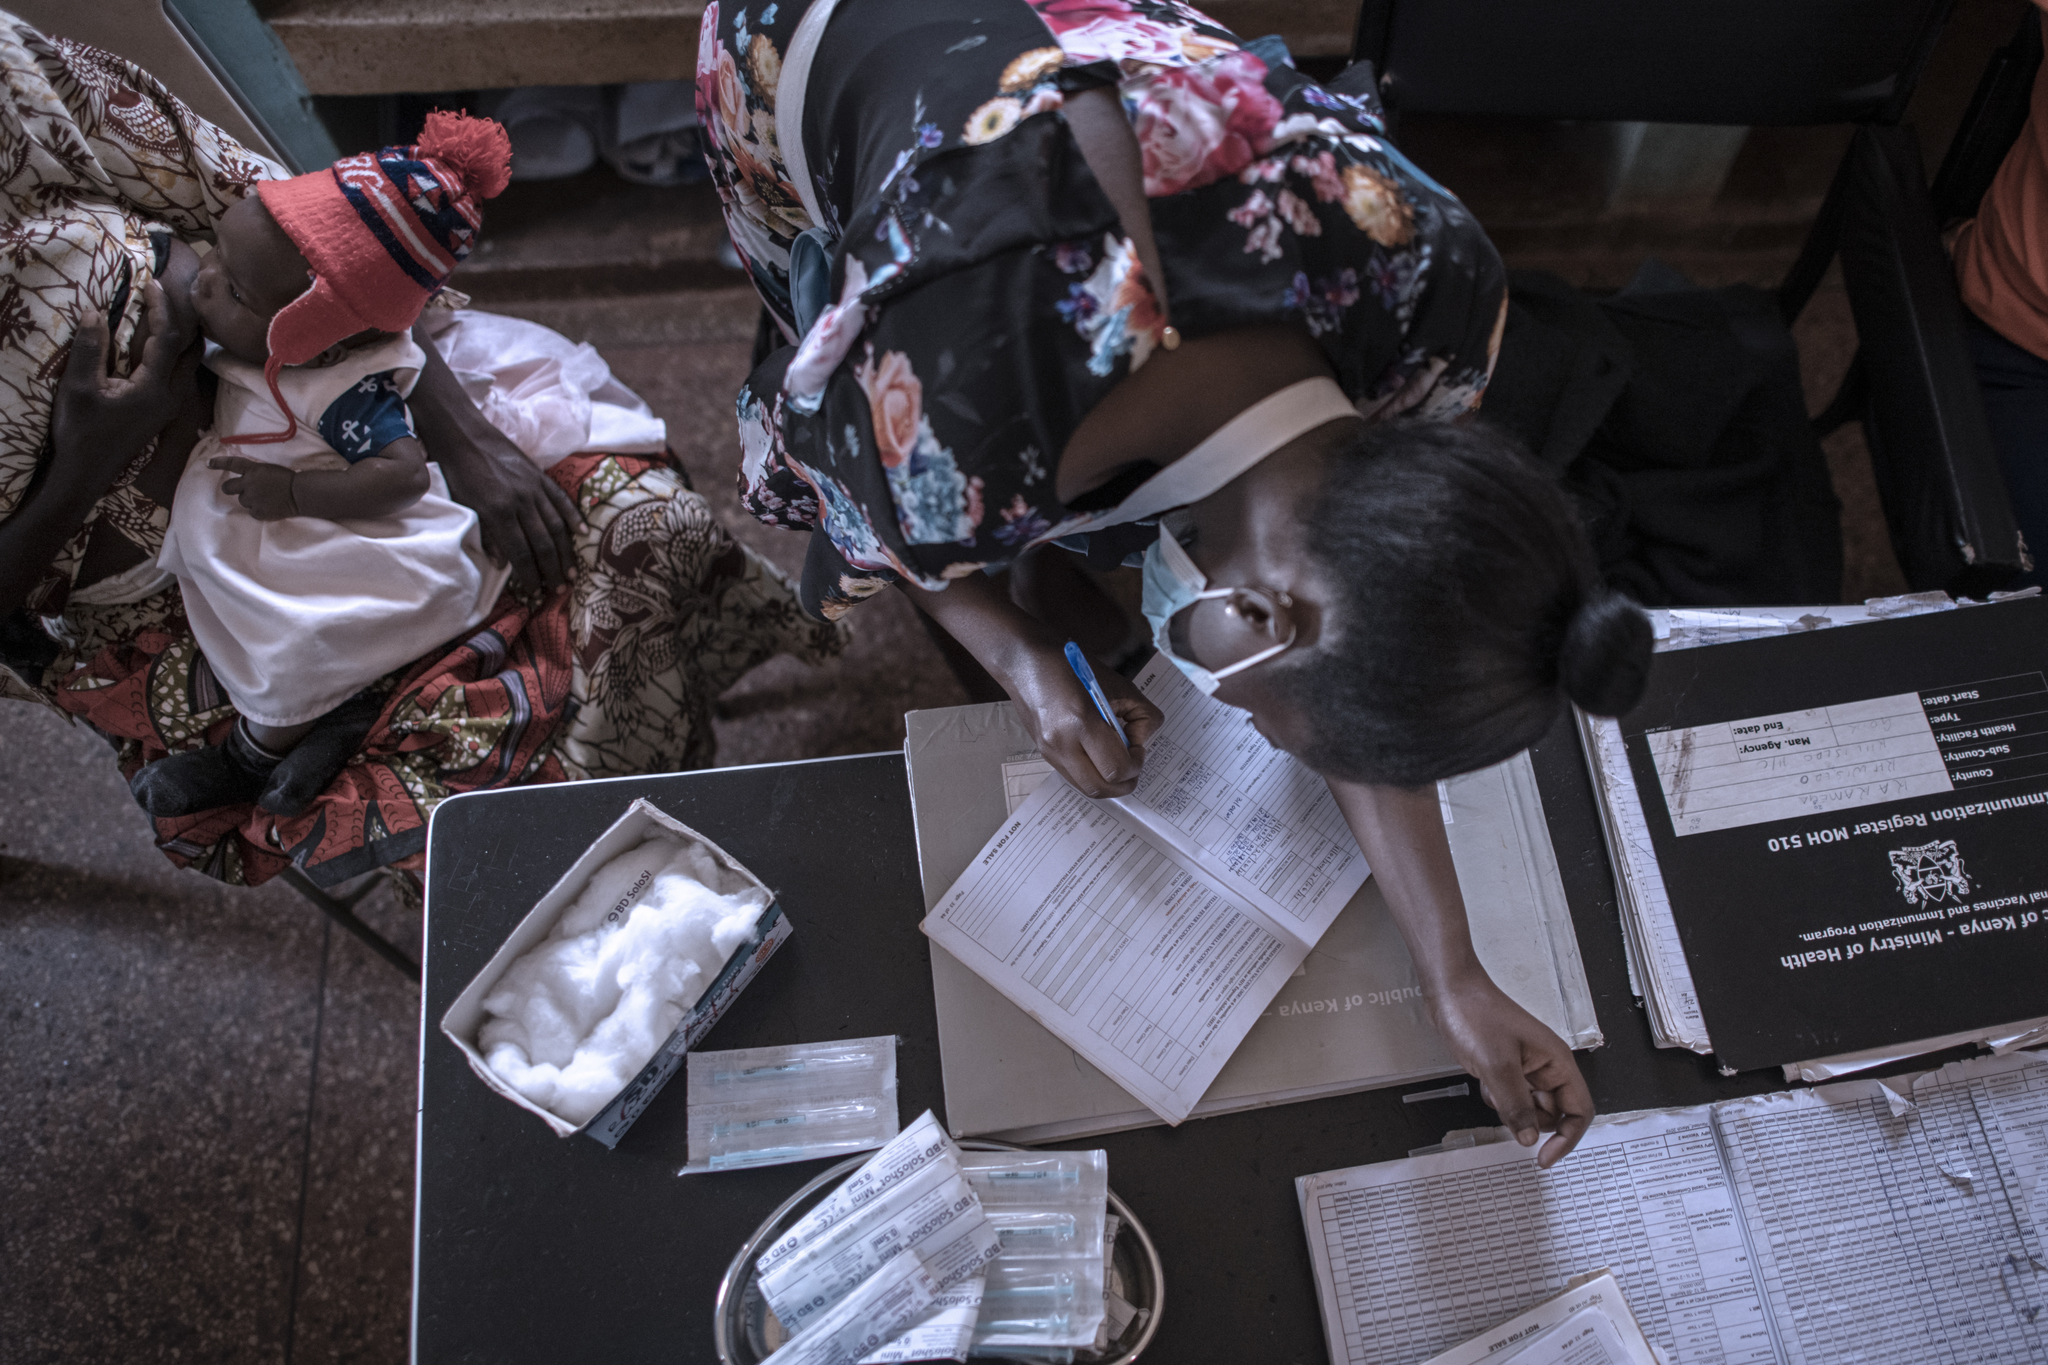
<point>376,486</point>
<point>524,516</point>
<point>98,424</point>
<point>1030,662</point>
<point>1525,1071</point>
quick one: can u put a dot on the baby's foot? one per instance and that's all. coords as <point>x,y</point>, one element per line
<point>316,759</point>
<point>230,774</point>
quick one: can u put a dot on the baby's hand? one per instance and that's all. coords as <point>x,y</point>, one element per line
<point>265,489</point>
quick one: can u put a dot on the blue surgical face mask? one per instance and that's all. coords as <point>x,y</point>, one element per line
<point>1173,583</point>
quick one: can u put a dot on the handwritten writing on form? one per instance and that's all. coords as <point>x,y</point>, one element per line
<point>1663,955</point>
<point>1087,921</point>
<point>1258,819</point>
<point>1830,758</point>
<point>1414,1256</point>
<point>1833,1224</point>
<point>1891,1239</point>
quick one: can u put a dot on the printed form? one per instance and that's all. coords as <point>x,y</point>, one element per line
<point>1414,1256</point>
<point>1149,933</point>
<point>1256,818</point>
<point>1846,1222</point>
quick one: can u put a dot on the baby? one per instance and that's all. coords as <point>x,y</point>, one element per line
<point>339,556</point>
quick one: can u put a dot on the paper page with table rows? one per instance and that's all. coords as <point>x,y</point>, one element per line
<point>1813,1226</point>
<point>1257,819</point>
<point>1087,921</point>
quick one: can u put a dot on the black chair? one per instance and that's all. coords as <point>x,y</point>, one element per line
<point>1782,63</point>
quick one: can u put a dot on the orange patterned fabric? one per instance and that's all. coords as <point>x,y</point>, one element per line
<point>2002,254</point>
<point>614,676</point>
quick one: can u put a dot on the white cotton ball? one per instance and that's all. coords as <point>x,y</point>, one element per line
<point>536,1083</point>
<point>743,912</point>
<point>575,1019</point>
<point>613,886</point>
<point>557,993</point>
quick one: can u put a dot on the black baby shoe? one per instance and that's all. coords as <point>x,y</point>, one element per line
<point>229,774</point>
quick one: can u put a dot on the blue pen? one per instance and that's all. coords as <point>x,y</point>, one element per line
<point>1079,663</point>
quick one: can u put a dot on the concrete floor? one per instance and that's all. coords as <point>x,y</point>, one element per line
<point>209,1130</point>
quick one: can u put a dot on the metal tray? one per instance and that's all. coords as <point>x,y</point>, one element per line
<point>746,1333</point>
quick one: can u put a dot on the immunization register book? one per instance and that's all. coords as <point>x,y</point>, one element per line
<point>1657,969</point>
<point>1209,943</point>
<point>1894,1222</point>
<point>1850,827</point>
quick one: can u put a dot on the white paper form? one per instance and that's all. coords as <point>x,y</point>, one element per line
<point>1586,1338</point>
<point>1890,1239</point>
<point>1635,857</point>
<point>2015,1092</point>
<point>1085,919</point>
<point>1414,1256</point>
<point>1554,1332</point>
<point>1826,758</point>
<point>1259,820</point>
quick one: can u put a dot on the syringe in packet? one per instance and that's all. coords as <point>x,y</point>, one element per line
<point>892,1302</point>
<point>911,1196</point>
<point>1044,1293</point>
<point>945,1335</point>
<point>763,1106</point>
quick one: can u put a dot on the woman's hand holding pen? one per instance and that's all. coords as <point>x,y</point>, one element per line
<point>1030,662</point>
<point>1071,733</point>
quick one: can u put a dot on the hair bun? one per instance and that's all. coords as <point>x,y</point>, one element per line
<point>1604,662</point>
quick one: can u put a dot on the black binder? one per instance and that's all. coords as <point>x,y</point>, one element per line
<point>1853,829</point>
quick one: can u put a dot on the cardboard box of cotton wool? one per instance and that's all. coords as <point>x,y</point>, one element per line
<point>645,914</point>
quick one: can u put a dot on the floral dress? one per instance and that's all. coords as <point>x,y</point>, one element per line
<point>983,297</point>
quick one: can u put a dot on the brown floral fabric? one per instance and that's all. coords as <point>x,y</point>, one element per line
<point>612,678</point>
<point>94,152</point>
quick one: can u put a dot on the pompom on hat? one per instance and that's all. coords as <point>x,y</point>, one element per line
<point>382,231</point>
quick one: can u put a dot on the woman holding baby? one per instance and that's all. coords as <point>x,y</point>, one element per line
<point>345,648</point>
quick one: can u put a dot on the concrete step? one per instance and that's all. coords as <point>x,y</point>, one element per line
<point>595,234</point>
<point>384,47</point>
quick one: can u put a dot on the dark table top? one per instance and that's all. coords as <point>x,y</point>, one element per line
<point>536,1248</point>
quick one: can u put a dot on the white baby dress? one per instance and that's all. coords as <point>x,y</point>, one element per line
<point>297,615</point>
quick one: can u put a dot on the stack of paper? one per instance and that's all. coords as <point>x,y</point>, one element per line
<point>1589,1324</point>
<point>1658,971</point>
<point>1889,1222</point>
<point>1063,1010</point>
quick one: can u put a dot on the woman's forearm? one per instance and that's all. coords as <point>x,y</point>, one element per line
<point>30,541</point>
<point>977,611</point>
<point>1401,832</point>
<point>1525,1071</point>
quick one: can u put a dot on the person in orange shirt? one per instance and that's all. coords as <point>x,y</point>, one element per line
<point>2001,259</point>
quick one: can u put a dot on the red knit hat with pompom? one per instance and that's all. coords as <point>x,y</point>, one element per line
<point>382,231</point>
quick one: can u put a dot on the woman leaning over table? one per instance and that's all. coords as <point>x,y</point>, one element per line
<point>1095,272</point>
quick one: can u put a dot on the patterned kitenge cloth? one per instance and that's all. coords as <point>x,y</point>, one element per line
<point>983,298</point>
<point>613,677</point>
